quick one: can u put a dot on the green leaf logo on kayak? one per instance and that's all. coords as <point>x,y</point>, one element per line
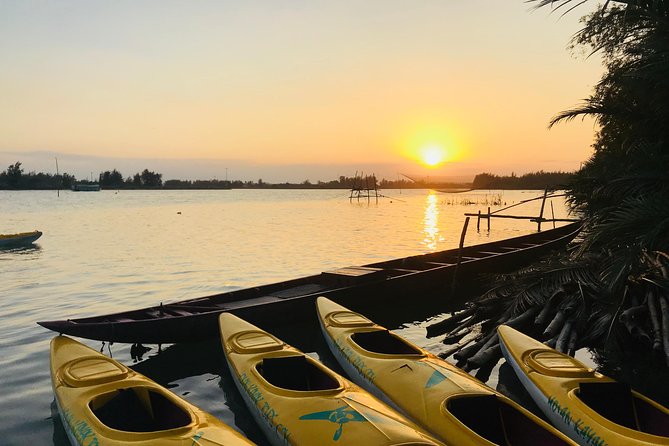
<point>340,416</point>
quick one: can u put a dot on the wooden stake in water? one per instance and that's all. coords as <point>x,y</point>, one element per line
<point>57,175</point>
<point>462,243</point>
<point>541,212</point>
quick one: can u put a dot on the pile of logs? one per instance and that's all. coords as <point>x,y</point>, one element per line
<point>564,314</point>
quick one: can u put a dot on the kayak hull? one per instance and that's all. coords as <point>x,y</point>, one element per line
<point>100,401</point>
<point>450,403</point>
<point>324,409</point>
<point>589,407</point>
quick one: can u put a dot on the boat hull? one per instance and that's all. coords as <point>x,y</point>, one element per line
<point>428,390</point>
<point>566,391</point>
<point>22,239</point>
<point>424,275</point>
<point>100,401</point>
<point>323,409</point>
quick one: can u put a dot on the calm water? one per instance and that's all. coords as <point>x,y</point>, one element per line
<point>113,251</point>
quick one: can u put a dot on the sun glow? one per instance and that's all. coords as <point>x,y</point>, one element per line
<point>431,142</point>
<point>432,155</point>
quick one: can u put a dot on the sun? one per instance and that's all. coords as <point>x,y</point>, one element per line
<point>432,155</point>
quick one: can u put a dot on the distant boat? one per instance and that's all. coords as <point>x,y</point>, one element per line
<point>21,239</point>
<point>86,187</point>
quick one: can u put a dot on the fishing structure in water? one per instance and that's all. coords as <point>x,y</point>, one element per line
<point>364,187</point>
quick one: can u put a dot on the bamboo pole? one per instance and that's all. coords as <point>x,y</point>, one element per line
<point>664,310</point>
<point>556,324</point>
<point>651,301</point>
<point>451,323</point>
<point>462,242</point>
<point>563,338</point>
<point>541,212</point>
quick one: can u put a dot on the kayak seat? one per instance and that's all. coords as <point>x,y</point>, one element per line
<point>612,400</point>
<point>499,422</point>
<point>139,410</point>
<point>480,414</point>
<point>296,373</point>
<point>384,342</point>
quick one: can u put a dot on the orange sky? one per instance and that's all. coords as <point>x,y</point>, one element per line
<point>286,83</point>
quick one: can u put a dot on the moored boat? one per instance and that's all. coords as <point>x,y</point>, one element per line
<point>197,319</point>
<point>86,187</point>
<point>298,401</point>
<point>451,404</point>
<point>20,239</point>
<point>102,402</point>
<point>592,409</point>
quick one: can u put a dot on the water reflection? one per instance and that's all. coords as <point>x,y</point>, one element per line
<point>431,223</point>
<point>28,252</point>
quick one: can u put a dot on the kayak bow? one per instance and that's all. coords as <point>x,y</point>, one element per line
<point>101,401</point>
<point>298,401</point>
<point>450,403</point>
<point>591,408</point>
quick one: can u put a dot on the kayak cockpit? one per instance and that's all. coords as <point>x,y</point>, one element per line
<point>139,409</point>
<point>296,373</point>
<point>384,342</point>
<point>500,422</point>
<point>616,402</point>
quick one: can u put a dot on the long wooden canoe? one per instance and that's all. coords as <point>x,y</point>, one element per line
<point>197,319</point>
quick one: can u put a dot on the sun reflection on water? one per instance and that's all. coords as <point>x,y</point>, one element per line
<point>431,223</point>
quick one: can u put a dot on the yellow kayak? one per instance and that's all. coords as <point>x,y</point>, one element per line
<point>102,402</point>
<point>298,401</point>
<point>451,404</point>
<point>591,408</point>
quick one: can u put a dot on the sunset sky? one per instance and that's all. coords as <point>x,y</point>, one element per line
<point>289,90</point>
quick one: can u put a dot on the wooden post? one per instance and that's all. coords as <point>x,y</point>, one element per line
<point>462,243</point>
<point>58,175</point>
<point>478,221</point>
<point>541,212</point>
<point>553,214</point>
<point>489,218</point>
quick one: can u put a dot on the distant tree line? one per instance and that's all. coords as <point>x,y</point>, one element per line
<point>535,180</point>
<point>145,180</point>
<point>16,178</point>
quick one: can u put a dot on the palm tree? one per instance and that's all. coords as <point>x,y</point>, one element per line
<point>616,280</point>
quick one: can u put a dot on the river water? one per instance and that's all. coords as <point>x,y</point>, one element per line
<point>110,251</point>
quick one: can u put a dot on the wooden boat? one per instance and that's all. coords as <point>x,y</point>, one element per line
<point>20,239</point>
<point>197,319</point>
<point>102,402</point>
<point>592,409</point>
<point>86,187</point>
<point>452,405</point>
<point>298,401</point>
